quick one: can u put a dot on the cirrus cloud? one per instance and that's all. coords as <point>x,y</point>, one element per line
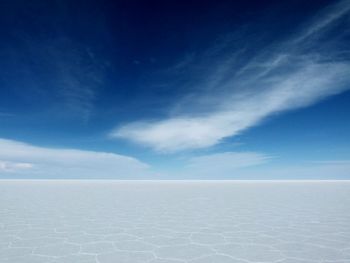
<point>295,73</point>
<point>22,159</point>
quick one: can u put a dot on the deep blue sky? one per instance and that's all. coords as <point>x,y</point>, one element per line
<point>175,89</point>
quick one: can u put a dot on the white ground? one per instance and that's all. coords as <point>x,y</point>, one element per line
<point>169,222</point>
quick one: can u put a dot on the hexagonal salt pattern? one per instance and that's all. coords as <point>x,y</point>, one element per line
<point>174,222</point>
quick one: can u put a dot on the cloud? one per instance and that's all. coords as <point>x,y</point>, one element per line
<point>228,159</point>
<point>326,170</point>
<point>63,75</point>
<point>21,159</point>
<point>259,166</point>
<point>296,73</point>
<point>329,16</point>
<point>24,161</point>
<point>13,166</point>
<point>76,73</point>
<point>225,164</point>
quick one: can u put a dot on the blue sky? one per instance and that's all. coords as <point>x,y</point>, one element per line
<point>174,89</point>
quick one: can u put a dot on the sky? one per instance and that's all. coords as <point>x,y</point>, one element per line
<point>175,90</point>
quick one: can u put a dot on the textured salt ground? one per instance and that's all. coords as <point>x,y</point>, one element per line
<point>174,222</point>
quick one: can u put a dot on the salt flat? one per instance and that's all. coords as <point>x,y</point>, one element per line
<point>174,221</point>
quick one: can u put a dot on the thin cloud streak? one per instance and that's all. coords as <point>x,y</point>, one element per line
<point>77,74</point>
<point>59,72</point>
<point>225,165</point>
<point>21,159</point>
<point>281,78</point>
<point>224,168</point>
<point>332,14</point>
<point>13,166</point>
<point>231,159</point>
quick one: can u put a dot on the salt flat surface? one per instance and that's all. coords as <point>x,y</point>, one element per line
<point>174,222</point>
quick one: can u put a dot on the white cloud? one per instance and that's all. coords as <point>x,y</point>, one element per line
<point>281,78</point>
<point>21,160</point>
<point>330,15</point>
<point>17,158</point>
<point>304,87</point>
<point>6,166</point>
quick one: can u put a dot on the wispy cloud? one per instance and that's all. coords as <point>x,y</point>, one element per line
<point>25,161</point>
<point>228,159</point>
<point>329,16</point>
<point>21,159</point>
<point>7,167</point>
<point>75,73</point>
<point>258,166</point>
<point>227,164</point>
<point>61,73</point>
<point>293,74</point>
<point>312,170</point>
